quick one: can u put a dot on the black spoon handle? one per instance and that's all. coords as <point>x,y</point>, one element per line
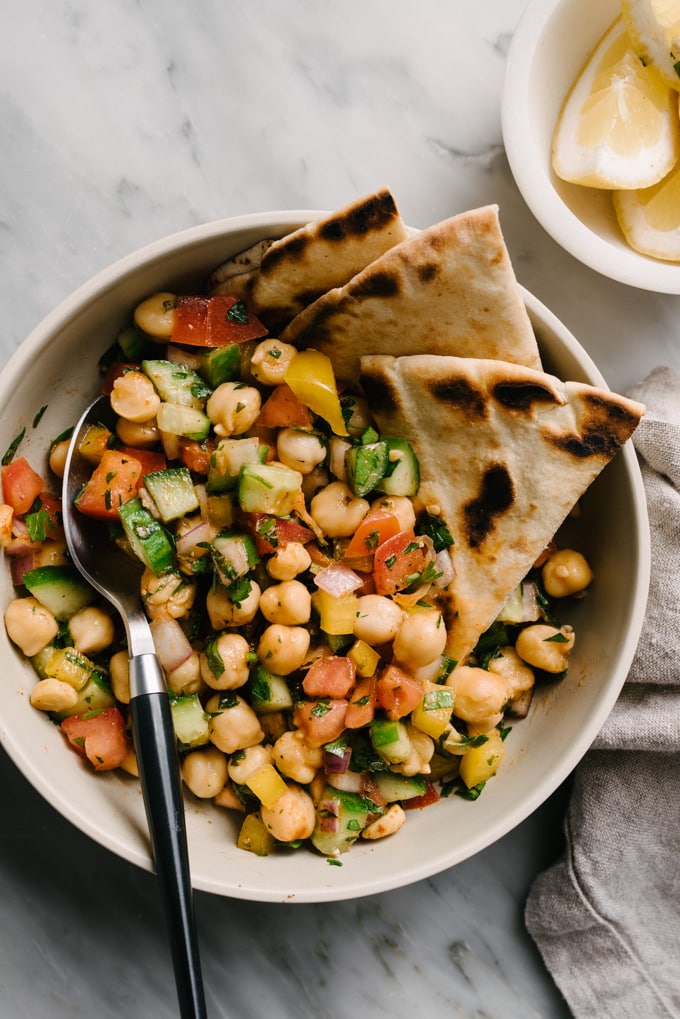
<point>156,750</point>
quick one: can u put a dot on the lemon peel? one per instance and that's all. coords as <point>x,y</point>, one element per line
<point>619,125</point>
<point>654,30</point>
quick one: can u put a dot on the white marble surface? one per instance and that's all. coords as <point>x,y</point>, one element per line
<point>126,120</point>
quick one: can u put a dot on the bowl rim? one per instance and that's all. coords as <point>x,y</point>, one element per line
<point>59,318</point>
<point>533,174</point>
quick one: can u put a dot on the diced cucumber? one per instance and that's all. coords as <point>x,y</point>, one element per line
<point>228,458</point>
<point>133,343</point>
<point>269,692</point>
<point>391,740</point>
<point>175,383</point>
<point>189,422</point>
<point>269,488</point>
<point>399,787</point>
<point>366,467</point>
<point>60,590</point>
<point>172,491</point>
<point>148,539</point>
<point>402,476</point>
<point>190,720</point>
<point>340,819</point>
<point>221,365</point>
<point>234,555</point>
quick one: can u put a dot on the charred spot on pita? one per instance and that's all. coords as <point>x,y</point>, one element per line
<point>373,214</point>
<point>293,248</point>
<point>377,284</point>
<point>460,393</point>
<point>496,495</point>
<point>522,395</point>
<point>378,391</point>
<point>427,272</point>
<point>589,444</point>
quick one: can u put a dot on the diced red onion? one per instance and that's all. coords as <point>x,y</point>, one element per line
<point>336,764</point>
<point>338,580</point>
<point>21,564</point>
<point>171,642</point>
<point>348,782</point>
<point>329,811</point>
<point>444,566</point>
<point>188,541</point>
<point>179,355</point>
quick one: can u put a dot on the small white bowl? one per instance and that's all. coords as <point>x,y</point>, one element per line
<point>57,366</point>
<point>551,45</point>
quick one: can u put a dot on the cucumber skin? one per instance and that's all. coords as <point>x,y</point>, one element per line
<point>172,490</point>
<point>399,787</point>
<point>404,479</point>
<point>155,548</point>
<point>60,589</point>
<point>353,816</point>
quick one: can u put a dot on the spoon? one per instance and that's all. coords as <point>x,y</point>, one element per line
<point>117,577</point>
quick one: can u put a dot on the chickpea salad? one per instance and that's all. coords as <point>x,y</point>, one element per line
<point>291,582</point>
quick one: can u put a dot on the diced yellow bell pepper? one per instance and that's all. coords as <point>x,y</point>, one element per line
<point>311,377</point>
<point>481,763</point>
<point>337,615</point>
<point>93,444</point>
<point>433,714</point>
<point>267,785</point>
<point>365,658</point>
<point>254,837</point>
<point>70,666</point>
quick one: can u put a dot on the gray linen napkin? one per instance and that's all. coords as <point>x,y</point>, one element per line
<point>606,916</point>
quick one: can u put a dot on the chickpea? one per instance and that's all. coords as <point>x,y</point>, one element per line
<point>299,449</point>
<point>566,572</point>
<point>233,408</point>
<point>139,434</point>
<point>418,760</point>
<point>508,663</point>
<point>479,696</point>
<point>356,413</point>
<point>91,629</point>
<point>229,659</point>
<point>270,361</point>
<point>156,315</point>
<point>283,649</point>
<point>119,671</point>
<point>134,397</point>
<point>390,822</point>
<point>296,759</point>
<point>377,619</point>
<point>420,639</point>
<point>57,457</point>
<point>186,678</point>
<point>402,507</point>
<point>245,763</point>
<point>337,511</point>
<point>289,603</point>
<point>336,457</point>
<point>287,562</point>
<point>170,594</point>
<point>292,817</point>
<point>223,612</point>
<point>227,798</point>
<point>29,625</point>
<point>205,772</point>
<point>6,522</point>
<point>545,647</point>
<point>232,728</point>
<point>53,695</point>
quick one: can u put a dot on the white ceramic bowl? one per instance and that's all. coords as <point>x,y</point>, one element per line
<point>549,48</point>
<point>56,365</point>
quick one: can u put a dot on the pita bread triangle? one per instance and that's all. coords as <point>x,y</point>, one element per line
<point>505,452</point>
<point>450,289</point>
<point>279,279</point>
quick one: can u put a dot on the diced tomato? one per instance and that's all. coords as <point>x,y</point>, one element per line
<point>99,736</point>
<point>195,455</point>
<point>51,505</point>
<point>397,692</point>
<point>214,322</point>
<point>377,526</point>
<point>361,704</point>
<point>149,459</point>
<point>397,561</point>
<point>320,721</point>
<point>282,409</point>
<point>113,372</point>
<point>21,485</point>
<point>114,481</point>
<point>431,795</point>
<point>332,676</point>
<point>271,533</point>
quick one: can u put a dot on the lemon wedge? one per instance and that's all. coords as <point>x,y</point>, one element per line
<point>654,31</point>
<point>619,126</point>
<point>650,218</point>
